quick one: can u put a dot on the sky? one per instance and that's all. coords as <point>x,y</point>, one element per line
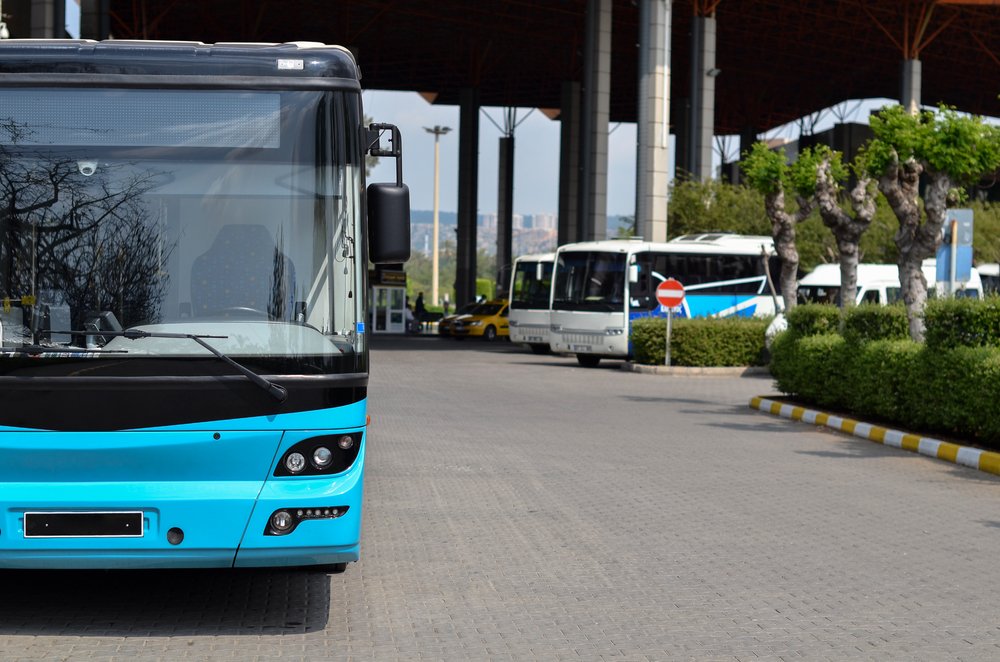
<point>536,156</point>
<point>536,152</point>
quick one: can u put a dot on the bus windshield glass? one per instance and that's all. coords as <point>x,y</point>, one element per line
<point>227,214</point>
<point>589,281</point>
<point>532,281</point>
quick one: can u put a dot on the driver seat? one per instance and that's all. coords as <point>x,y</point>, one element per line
<point>242,269</point>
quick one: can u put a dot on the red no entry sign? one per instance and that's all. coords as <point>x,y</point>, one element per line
<point>670,293</point>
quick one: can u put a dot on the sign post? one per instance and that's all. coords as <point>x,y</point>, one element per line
<point>670,294</point>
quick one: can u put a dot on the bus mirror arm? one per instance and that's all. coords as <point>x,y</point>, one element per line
<point>388,204</point>
<point>373,144</point>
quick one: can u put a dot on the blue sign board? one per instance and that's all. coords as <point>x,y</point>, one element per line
<point>962,218</point>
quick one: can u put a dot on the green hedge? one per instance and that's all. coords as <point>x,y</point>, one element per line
<point>731,341</point>
<point>813,319</point>
<point>940,387</point>
<point>869,322</point>
<point>963,323</point>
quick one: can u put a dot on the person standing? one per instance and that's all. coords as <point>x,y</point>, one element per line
<point>419,307</point>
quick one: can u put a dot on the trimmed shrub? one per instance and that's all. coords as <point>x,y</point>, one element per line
<point>731,341</point>
<point>812,367</point>
<point>878,373</point>
<point>962,323</point>
<point>870,322</point>
<point>950,391</point>
<point>813,319</point>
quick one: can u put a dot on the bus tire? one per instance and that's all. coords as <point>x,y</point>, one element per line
<point>490,333</point>
<point>334,568</point>
<point>588,360</point>
<point>537,348</point>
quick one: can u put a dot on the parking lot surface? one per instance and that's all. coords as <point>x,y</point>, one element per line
<point>519,507</point>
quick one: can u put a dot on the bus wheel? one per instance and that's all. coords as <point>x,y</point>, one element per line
<point>540,349</point>
<point>490,333</point>
<point>588,360</point>
<point>333,568</point>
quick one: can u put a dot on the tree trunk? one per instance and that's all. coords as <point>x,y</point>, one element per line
<point>846,230</point>
<point>900,185</point>
<point>783,233</point>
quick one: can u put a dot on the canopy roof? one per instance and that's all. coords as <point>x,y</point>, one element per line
<point>779,59</point>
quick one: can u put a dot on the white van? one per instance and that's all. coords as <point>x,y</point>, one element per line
<point>877,283</point>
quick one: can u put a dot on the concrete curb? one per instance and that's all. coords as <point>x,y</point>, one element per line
<point>966,456</point>
<point>686,371</point>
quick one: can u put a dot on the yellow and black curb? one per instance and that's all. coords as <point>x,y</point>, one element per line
<point>964,455</point>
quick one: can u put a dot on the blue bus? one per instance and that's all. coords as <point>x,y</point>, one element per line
<point>184,240</point>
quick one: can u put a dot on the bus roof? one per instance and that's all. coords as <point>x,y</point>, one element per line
<point>718,242</point>
<point>37,61</point>
<point>537,257</point>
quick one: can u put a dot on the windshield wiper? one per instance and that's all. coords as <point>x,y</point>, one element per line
<point>279,393</point>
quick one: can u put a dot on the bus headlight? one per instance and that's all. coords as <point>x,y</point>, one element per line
<point>322,457</point>
<point>614,331</point>
<point>295,462</point>
<point>282,522</point>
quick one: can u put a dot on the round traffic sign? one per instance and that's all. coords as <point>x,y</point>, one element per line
<point>670,293</point>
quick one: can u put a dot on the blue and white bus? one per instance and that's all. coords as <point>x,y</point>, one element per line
<point>530,287</point>
<point>184,240</point>
<point>600,287</point>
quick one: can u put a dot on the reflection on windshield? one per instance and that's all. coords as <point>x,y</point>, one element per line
<point>593,281</point>
<point>530,291</point>
<point>256,245</point>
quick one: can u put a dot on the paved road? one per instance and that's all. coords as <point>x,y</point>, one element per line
<point>520,507</point>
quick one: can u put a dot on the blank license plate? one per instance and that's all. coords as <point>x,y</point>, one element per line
<point>83,525</point>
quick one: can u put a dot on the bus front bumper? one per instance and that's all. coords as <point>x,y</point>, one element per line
<point>186,524</point>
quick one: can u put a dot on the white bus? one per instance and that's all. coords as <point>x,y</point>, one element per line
<point>530,287</point>
<point>600,287</point>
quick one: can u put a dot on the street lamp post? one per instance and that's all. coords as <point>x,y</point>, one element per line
<point>438,131</point>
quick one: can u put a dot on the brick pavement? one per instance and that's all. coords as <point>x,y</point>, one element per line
<point>519,507</point>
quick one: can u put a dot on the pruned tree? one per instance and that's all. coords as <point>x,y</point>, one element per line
<point>769,173</point>
<point>847,230</point>
<point>950,151</point>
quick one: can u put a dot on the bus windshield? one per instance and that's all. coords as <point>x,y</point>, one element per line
<point>531,284</point>
<point>224,213</point>
<point>589,281</point>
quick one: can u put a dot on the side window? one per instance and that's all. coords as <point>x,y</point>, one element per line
<point>870,296</point>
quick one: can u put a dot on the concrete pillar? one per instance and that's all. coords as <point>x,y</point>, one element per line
<point>569,163</point>
<point>505,211</point>
<point>703,75</point>
<point>748,136</point>
<point>911,78</point>
<point>95,19</point>
<point>593,205</point>
<point>43,19</point>
<point>653,123</point>
<point>468,199</point>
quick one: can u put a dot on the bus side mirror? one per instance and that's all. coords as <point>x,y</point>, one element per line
<point>388,223</point>
<point>633,273</point>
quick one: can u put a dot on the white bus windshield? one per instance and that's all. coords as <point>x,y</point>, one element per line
<point>531,285</point>
<point>589,281</point>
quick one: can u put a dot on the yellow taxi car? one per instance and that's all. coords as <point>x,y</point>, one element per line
<point>444,324</point>
<point>488,321</point>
